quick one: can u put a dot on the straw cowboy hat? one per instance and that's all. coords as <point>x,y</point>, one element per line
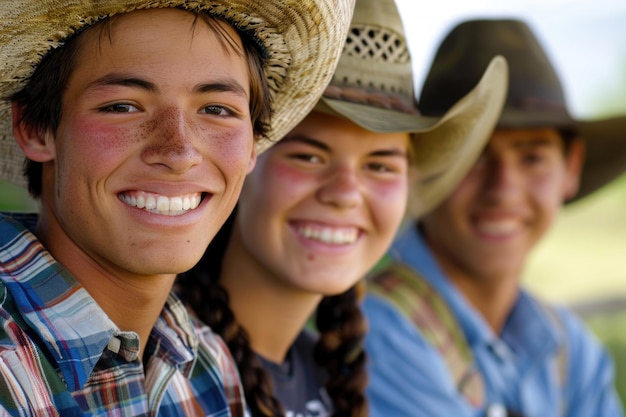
<point>535,97</point>
<point>300,39</point>
<point>373,88</point>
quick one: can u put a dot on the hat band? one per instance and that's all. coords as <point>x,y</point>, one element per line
<point>370,98</point>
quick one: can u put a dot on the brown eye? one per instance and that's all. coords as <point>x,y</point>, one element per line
<point>119,108</point>
<point>217,110</point>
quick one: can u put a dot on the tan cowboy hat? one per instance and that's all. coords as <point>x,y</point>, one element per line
<point>301,40</point>
<point>373,88</point>
<point>535,98</point>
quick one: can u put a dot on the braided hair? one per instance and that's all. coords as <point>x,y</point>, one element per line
<point>339,349</point>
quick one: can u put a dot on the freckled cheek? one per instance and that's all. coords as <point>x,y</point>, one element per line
<point>101,144</point>
<point>232,147</point>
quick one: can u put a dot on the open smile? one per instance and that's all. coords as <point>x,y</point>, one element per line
<point>328,234</point>
<point>160,204</point>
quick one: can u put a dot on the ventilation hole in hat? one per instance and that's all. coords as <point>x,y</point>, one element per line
<point>376,44</point>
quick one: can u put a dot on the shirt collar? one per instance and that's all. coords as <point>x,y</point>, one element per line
<point>529,329</point>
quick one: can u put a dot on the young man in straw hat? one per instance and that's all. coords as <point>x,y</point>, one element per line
<point>452,333</point>
<point>139,120</point>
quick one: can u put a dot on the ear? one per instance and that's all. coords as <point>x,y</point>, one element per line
<point>252,161</point>
<point>574,161</point>
<point>37,146</point>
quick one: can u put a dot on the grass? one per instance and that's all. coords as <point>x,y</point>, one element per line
<point>14,198</point>
<point>583,258</point>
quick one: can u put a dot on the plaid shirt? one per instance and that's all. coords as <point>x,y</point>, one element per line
<point>60,354</point>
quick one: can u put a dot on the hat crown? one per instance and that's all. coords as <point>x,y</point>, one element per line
<point>535,96</point>
<point>375,63</point>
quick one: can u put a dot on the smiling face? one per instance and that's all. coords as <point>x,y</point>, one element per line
<point>152,148</point>
<point>506,203</point>
<point>323,204</point>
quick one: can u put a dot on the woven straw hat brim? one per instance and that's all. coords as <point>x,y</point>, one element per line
<point>446,152</point>
<point>376,119</point>
<point>445,147</point>
<point>301,39</point>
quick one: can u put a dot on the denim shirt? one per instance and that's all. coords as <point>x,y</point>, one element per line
<point>408,376</point>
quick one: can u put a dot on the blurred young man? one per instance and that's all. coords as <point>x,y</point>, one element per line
<point>451,331</point>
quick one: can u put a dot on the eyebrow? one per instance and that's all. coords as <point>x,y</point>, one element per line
<point>390,152</point>
<point>113,79</point>
<point>308,141</point>
<point>535,142</point>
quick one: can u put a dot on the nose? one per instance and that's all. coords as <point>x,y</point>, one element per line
<point>503,181</point>
<point>173,142</point>
<point>341,188</point>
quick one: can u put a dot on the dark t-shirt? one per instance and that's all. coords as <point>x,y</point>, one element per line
<point>298,381</point>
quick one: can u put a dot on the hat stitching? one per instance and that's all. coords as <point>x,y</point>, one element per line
<point>371,98</point>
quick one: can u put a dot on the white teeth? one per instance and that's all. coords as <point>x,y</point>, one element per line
<point>329,235</point>
<point>169,206</point>
<point>176,204</point>
<point>498,227</point>
<point>150,203</point>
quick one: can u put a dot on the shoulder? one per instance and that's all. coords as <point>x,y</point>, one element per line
<point>214,358</point>
<point>27,378</point>
<point>575,333</point>
<point>586,357</point>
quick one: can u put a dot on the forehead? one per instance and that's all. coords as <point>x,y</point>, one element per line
<point>336,133</point>
<point>168,46</point>
<point>151,28</point>
<point>527,138</point>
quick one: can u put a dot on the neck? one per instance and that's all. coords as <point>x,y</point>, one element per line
<point>493,301</point>
<point>492,296</point>
<point>133,302</point>
<point>272,312</point>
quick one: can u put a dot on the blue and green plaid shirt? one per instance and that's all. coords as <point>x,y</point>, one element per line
<point>60,354</point>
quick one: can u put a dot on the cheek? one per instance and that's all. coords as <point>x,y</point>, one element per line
<point>281,182</point>
<point>232,148</point>
<point>96,143</point>
<point>389,201</point>
<point>548,196</point>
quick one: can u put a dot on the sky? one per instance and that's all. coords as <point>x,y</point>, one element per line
<point>585,39</point>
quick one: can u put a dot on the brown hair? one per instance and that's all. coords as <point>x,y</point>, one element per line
<point>42,96</point>
<point>339,349</point>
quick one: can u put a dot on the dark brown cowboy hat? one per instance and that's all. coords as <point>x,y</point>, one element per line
<point>535,96</point>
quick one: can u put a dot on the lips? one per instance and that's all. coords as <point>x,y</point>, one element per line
<point>160,204</point>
